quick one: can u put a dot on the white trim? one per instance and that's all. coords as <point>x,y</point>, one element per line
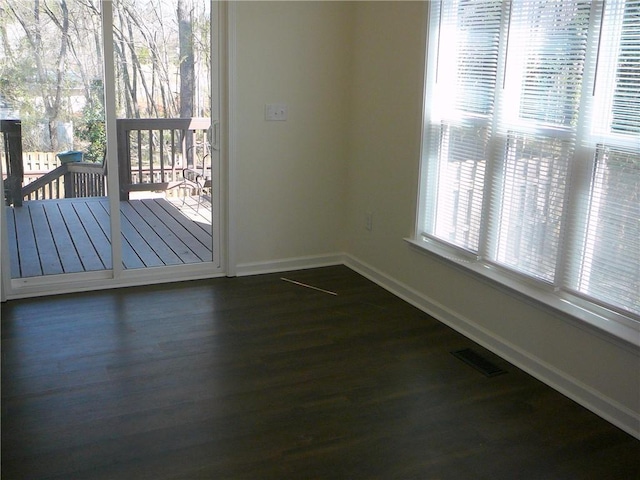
<point>94,281</point>
<point>602,405</point>
<point>623,331</point>
<point>5,275</point>
<point>232,137</point>
<point>118,277</point>
<point>217,47</point>
<point>287,264</point>
<point>113,174</point>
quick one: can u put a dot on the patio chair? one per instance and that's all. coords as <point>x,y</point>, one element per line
<point>198,176</point>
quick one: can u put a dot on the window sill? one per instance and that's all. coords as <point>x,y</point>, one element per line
<point>612,325</point>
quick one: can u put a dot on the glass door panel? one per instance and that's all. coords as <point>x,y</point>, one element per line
<point>166,147</point>
<point>53,139</point>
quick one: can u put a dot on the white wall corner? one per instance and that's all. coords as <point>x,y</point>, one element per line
<point>287,264</point>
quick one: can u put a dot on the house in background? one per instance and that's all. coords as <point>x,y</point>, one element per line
<point>6,110</point>
<point>337,183</point>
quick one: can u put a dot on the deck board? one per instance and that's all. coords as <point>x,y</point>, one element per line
<point>165,237</point>
<point>49,259</point>
<point>27,248</point>
<point>82,244</point>
<point>139,244</point>
<point>99,236</point>
<point>152,237</point>
<point>196,209</point>
<point>101,213</point>
<point>183,234</point>
<point>69,257</point>
<point>71,235</point>
<point>197,228</point>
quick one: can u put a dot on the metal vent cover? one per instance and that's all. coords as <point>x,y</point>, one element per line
<point>477,361</point>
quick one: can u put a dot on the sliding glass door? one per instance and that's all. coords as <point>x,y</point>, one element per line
<point>166,131</point>
<point>53,140</point>
<point>110,143</point>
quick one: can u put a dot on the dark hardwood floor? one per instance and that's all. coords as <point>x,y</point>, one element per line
<point>258,378</point>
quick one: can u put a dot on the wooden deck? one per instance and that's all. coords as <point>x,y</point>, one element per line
<point>49,237</point>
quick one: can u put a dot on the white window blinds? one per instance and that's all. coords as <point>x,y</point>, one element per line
<point>607,267</point>
<point>546,57</point>
<point>532,142</point>
<point>461,116</point>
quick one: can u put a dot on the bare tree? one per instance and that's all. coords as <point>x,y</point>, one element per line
<point>187,72</point>
<point>52,55</point>
<point>4,37</point>
<point>34,26</point>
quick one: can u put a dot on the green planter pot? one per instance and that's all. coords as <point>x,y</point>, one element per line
<point>70,156</point>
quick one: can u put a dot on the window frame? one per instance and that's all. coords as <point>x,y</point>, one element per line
<point>554,295</point>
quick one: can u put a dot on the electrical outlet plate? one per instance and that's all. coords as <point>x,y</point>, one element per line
<point>276,112</point>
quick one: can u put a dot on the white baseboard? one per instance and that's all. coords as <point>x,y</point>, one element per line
<point>286,264</point>
<point>603,406</point>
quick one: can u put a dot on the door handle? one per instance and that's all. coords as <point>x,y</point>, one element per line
<point>216,135</point>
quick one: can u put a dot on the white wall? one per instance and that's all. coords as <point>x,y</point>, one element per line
<point>351,74</point>
<point>291,175</point>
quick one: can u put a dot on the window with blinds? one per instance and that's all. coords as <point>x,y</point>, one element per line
<point>531,151</point>
<point>462,106</point>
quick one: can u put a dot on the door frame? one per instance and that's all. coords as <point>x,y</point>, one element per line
<point>222,225</point>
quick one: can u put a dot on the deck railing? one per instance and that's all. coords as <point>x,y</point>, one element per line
<point>153,152</point>
<point>12,142</point>
<point>69,180</point>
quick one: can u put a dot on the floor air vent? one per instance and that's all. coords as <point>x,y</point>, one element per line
<point>478,362</point>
